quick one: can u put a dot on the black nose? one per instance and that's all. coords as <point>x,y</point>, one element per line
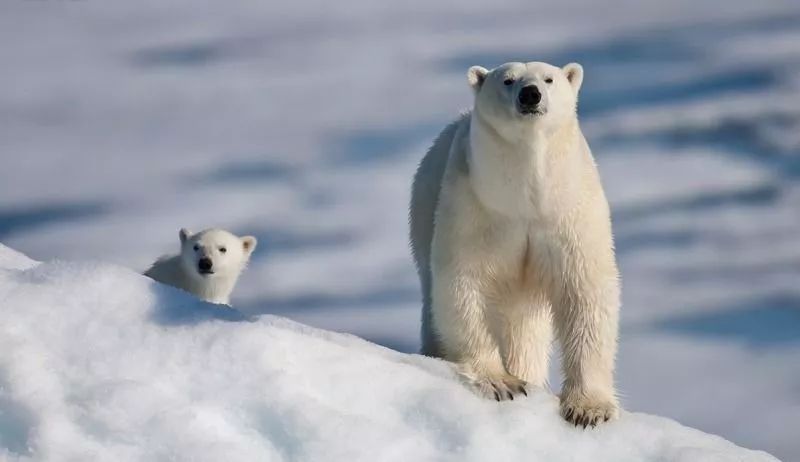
<point>529,96</point>
<point>204,264</point>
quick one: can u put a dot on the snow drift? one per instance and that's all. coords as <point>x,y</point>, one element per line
<point>100,363</point>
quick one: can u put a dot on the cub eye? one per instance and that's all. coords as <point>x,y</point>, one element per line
<point>508,82</point>
<point>548,80</point>
<point>223,249</point>
<point>196,247</point>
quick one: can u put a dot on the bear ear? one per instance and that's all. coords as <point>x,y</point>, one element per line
<point>574,73</point>
<point>184,234</point>
<point>475,76</point>
<point>249,244</point>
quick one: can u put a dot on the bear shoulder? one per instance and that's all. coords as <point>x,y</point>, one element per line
<point>166,269</point>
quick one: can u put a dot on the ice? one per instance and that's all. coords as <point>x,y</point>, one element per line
<point>100,363</point>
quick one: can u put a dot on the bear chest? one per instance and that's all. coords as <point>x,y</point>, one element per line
<point>524,254</point>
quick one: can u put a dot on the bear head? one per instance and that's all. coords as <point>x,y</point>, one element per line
<point>214,253</point>
<point>526,95</point>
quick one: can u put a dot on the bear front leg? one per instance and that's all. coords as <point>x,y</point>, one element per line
<point>586,318</point>
<point>526,333</point>
<point>460,319</point>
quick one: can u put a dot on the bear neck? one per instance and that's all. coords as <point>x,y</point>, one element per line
<point>517,172</point>
<point>218,290</point>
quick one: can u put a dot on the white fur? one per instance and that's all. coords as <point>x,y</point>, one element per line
<point>511,234</point>
<point>181,270</point>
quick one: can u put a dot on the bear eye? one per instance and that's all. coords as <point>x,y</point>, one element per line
<point>508,82</point>
<point>548,80</point>
<point>223,249</point>
<point>196,247</point>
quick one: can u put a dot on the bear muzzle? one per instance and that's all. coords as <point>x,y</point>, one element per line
<point>528,100</point>
<point>205,266</point>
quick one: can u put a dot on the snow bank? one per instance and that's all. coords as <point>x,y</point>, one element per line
<point>100,363</point>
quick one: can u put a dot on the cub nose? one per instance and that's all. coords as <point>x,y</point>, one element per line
<point>529,96</point>
<point>204,264</point>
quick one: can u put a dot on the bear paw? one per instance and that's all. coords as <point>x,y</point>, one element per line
<point>579,409</point>
<point>499,388</point>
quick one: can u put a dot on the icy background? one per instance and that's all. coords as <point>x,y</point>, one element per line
<point>302,122</point>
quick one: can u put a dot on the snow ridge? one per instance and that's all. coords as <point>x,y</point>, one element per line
<point>100,363</point>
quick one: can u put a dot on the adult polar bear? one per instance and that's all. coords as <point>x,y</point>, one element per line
<point>511,232</point>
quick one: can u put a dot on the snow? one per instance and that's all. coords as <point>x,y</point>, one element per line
<point>302,123</point>
<point>100,363</point>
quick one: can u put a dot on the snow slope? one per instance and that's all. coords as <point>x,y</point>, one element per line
<point>98,363</point>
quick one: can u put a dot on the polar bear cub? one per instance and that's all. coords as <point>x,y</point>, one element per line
<point>511,233</point>
<point>208,265</point>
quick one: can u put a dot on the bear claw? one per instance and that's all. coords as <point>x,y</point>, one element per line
<point>501,388</point>
<point>587,412</point>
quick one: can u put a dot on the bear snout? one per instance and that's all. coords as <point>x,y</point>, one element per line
<point>204,266</point>
<point>529,97</point>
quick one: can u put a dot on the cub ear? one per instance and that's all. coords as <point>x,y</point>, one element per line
<point>574,73</point>
<point>184,234</point>
<point>249,244</point>
<point>476,76</point>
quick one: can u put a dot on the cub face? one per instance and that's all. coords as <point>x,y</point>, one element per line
<point>214,253</point>
<point>533,94</point>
